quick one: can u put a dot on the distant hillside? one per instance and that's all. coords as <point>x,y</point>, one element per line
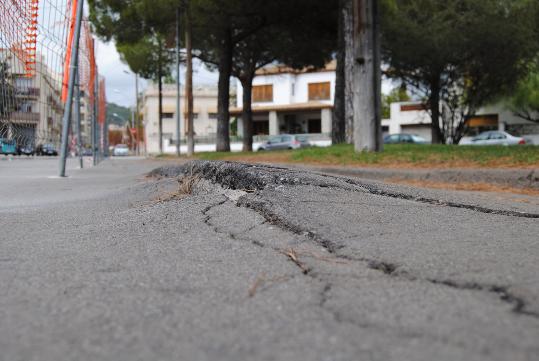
<point>124,114</point>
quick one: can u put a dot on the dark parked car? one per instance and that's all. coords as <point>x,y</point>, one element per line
<point>27,149</point>
<point>404,139</point>
<point>46,149</point>
<point>284,141</point>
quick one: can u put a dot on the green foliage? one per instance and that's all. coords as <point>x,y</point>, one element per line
<point>147,56</point>
<point>525,99</point>
<point>463,53</point>
<point>124,114</point>
<point>234,127</point>
<point>398,155</point>
<point>140,29</point>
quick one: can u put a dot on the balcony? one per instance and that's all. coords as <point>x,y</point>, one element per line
<point>28,92</point>
<point>24,117</point>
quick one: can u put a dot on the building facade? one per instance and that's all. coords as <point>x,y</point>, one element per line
<point>37,109</point>
<point>204,109</point>
<point>290,101</point>
<point>413,118</point>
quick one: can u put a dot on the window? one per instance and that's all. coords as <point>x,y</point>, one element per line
<point>286,138</point>
<point>261,127</point>
<point>496,135</point>
<point>262,93</point>
<point>168,115</point>
<point>320,91</point>
<point>314,126</point>
<point>275,139</point>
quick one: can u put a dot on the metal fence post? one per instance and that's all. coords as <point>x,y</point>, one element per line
<point>94,120</point>
<point>77,119</point>
<point>178,89</point>
<point>69,100</point>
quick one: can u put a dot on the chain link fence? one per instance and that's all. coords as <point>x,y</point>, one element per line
<point>36,38</point>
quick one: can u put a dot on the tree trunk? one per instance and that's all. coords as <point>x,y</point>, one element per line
<point>338,121</point>
<point>160,91</point>
<point>189,85</point>
<point>367,105</point>
<point>434,105</point>
<point>223,96</point>
<point>349,75</point>
<point>247,113</point>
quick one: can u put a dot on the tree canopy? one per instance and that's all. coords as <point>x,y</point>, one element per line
<point>459,54</point>
<point>525,99</point>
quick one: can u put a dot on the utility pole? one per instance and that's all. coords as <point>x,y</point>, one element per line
<point>367,102</point>
<point>189,83</point>
<point>178,85</point>
<point>69,101</point>
<point>77,119</point>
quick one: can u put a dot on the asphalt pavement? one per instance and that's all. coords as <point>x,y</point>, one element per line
<point>223,261</point>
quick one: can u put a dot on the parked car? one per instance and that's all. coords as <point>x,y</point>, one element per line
<point>46,149</point>
<point>404,138</point>
<point>285,141</point>
<point>27,150</point>
<point>87,152</point>
<point>8,146</point>
<point>120,150</point>
<point>493,137</point>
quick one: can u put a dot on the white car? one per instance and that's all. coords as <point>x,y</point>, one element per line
<point>120,150</point>
<point>493,137</point>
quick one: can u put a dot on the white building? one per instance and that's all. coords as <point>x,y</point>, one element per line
<point>290,101</point>
<point>413,118</point>
<point>204,109</point>
<point>408,117</point>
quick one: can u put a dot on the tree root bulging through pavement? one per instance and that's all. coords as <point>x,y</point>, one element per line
<point>242,176</point>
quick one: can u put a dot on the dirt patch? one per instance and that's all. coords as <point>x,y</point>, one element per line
<point>464,186</point>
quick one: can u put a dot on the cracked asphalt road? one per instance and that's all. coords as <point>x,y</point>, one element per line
<point>219,261</point>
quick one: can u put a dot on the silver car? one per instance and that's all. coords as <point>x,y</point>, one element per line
<point>284,141</point>
<point>120,150</point>
<point>494,137</point>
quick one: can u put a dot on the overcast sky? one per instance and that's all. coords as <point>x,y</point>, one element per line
<point>120,85</point>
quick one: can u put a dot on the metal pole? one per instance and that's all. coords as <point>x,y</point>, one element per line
<point>105,135</point>
<point>137,119</point>
<point>189,83</point>
<point>178,88</point>
<point>77,120</point>
<point>132,135</point>
<point>94,118</point>
<point>71,85</point>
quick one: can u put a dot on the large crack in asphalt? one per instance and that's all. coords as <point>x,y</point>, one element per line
<point>252,178</point>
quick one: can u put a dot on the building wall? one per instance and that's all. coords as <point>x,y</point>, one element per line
<point>418,121</point>
<point>205,105</point>
<point>39,101</point>
<point>289,88</point>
